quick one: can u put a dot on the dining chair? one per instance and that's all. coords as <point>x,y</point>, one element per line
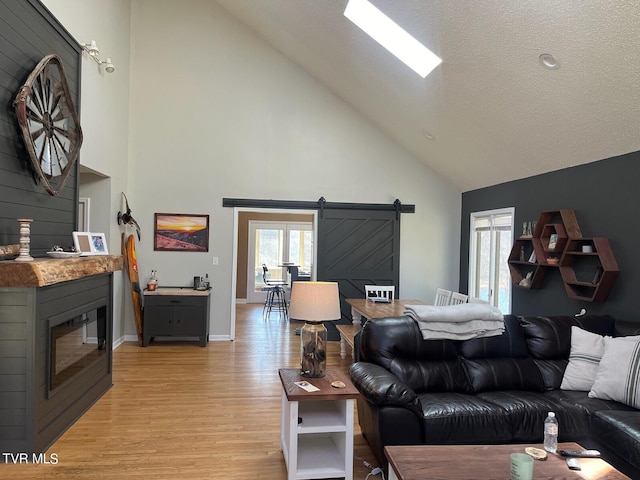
<point>443,297</point>
<point>380,291</point>
<point>457,298</point>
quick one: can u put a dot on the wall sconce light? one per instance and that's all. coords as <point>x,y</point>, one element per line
<point>93,51</point>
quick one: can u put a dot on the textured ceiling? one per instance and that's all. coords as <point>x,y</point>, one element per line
<point>495,113</point>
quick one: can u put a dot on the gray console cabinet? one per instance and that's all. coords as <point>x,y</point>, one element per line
<point>176,312</point>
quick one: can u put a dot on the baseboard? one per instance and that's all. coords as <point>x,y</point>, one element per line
<point>241,301</point>
<point>219,338</point>
<point>119,341</point>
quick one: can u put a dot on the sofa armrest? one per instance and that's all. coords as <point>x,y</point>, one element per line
<point>381,387</point>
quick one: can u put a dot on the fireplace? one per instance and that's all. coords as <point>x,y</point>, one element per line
<point>76,342</point>
<point>56,353</point>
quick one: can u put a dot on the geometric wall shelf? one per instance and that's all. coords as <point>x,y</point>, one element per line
<point>589,275</point>
<point>520,265</point>
<point>587,265</point>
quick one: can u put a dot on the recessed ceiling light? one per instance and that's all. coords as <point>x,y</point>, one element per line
<point>548,61</point>
<point>391,36</point>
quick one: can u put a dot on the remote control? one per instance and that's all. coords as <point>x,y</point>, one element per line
<point>573,464</point>
<point>580,453</point>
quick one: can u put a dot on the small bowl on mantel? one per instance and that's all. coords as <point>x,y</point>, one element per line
<point>59,254</point>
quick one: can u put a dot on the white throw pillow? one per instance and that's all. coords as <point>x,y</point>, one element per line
<point>584,359</point>
<point>619,373</point>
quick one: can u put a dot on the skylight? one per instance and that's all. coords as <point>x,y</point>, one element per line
<point>391,36</point>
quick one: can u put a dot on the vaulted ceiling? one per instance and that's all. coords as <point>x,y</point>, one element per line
<point>494,113</point>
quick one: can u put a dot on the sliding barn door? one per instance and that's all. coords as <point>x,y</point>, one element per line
<point>358,248</point>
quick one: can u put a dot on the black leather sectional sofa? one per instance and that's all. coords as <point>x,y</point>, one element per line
<point>491,390</point>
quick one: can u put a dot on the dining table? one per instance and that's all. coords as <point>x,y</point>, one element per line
<point>363,307</point>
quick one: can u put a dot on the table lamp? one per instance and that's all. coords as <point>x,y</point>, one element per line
<point>314,303</point>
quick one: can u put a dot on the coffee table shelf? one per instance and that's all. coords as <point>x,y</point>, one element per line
<point>321,456</point>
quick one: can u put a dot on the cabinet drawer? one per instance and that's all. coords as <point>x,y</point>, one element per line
<point>173,300</point>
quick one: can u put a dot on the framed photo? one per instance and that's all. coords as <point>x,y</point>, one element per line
<point>181,232</point>
<point>553,241</point>
<point>89,243</point>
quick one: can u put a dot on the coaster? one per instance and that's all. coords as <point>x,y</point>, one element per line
<point>536,453</point>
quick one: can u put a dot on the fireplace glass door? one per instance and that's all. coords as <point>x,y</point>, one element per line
<point>75,344</point>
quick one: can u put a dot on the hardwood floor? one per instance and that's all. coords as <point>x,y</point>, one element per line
<point>180,411</point>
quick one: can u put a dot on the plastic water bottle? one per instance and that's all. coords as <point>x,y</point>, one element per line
<point>551,433</point>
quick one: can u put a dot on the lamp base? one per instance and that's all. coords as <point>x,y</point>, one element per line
<point>313,353</point>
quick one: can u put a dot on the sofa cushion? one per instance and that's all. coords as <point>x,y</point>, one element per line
<point>457,418</point>
<point>619,431</point>
<point>582,401</point>
<point>549,341</point>
<point>618,375</point>
<point>425,365</point>
<point>584,359</point>
<point>501,362</point>
<point>624,328</point>
<point>504,374</point>
<point>526,412</point>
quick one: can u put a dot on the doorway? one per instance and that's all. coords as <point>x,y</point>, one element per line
<point>274,244</point>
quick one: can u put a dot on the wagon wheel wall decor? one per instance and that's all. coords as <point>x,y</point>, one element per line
<point>49,123</point>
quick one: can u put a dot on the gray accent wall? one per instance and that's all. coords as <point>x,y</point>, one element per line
<point>28,32</point>
<point>605,197</point>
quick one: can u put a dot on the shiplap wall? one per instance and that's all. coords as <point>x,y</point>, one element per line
<point>28,32</point>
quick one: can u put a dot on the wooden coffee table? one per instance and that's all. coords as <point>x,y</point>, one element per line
<point>484,462</point>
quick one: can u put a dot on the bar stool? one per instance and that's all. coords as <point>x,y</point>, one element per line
<point>276,299</point>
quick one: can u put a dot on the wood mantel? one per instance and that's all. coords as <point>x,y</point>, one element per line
<point>49,271</point>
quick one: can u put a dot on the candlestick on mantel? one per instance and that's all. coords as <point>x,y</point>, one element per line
<point>25,240</point>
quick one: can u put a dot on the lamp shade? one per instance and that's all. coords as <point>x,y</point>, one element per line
<point>315,301</point>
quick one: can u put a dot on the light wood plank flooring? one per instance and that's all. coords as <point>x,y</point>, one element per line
<point>180,411</point>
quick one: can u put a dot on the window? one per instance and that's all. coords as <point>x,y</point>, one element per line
<point>273,244</point>
<point>490,241</point>
<point>392,37</point>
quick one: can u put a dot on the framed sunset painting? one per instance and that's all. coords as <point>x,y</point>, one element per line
<point>180,232</point>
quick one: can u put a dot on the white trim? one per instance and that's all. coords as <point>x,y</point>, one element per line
<point>220,338</point>
<point>84,226</point>
<point>252,295</point>
<point>124,338</point>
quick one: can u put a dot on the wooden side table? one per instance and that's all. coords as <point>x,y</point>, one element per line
<point>316,434</point>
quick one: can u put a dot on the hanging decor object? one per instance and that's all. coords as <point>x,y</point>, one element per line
<point>125,218</point>
<point>25,240</point>
<point>49,123</point>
